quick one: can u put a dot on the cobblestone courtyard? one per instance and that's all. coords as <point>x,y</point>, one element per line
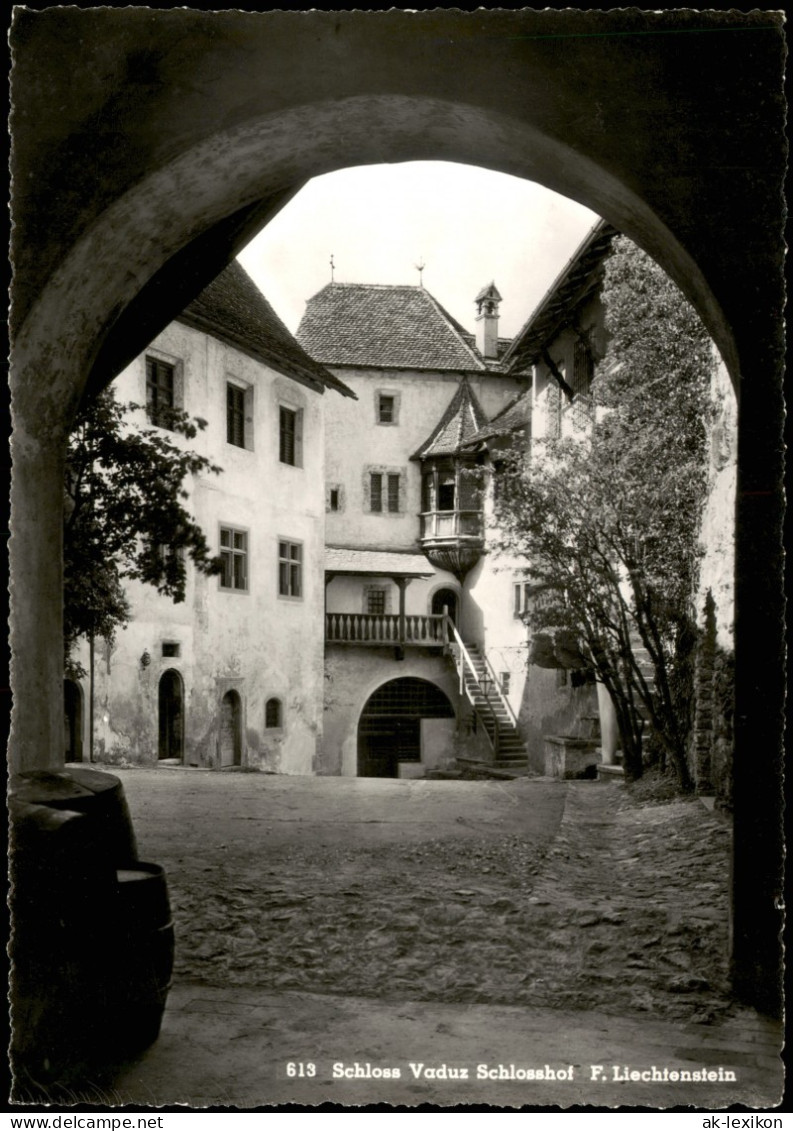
<point>528,892</point>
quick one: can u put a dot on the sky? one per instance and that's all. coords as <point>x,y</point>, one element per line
<point>467,225</point>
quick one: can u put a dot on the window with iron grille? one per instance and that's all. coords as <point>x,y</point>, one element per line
<point>235,415</point>
<point>234,558</point>
<point>290,569</point>
<point>375,601</point>
<point>160,401</point>
<point>290,438</point>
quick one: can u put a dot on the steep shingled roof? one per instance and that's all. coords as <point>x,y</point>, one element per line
<point>513,418</point>
<point>461,421</point>
<point>394,327</point>
<point>233,310</point>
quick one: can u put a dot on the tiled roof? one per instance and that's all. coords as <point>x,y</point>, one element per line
<point>516,416</point>
<point>574,283</point>
<point>463,418</point>
<point>392,563</point>
<point>387,326</point>
<point>233,310</point>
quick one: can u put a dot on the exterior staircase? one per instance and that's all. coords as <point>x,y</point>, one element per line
<point>491,711</point>
<point>509,748</point>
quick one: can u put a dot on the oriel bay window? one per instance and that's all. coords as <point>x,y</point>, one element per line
<point>452,528</point>
<point>451,501</point>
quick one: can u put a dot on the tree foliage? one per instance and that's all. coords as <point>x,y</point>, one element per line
<point>124,516</point>
<point>608,521</point>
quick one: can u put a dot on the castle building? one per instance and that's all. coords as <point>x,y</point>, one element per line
<point>405,529</point>
<point>233,676</point>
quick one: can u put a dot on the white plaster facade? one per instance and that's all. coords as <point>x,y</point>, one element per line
<point>253,641</point>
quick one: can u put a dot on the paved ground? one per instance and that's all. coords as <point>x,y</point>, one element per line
<point>450,924</point>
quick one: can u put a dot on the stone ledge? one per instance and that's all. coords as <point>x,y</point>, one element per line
<point>609,772</point>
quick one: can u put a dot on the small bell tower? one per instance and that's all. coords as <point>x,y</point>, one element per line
<point>487,321</point>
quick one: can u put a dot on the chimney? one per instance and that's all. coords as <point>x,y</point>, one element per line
<point>487,321</point>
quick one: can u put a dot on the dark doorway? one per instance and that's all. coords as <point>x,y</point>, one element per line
<point>171,716</point>
<point>447,598</point>
<point>73,720</point>
<point>390,728</point>
<point>231,730</point>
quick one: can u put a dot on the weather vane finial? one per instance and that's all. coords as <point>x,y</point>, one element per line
<point>420,267</point>
<point>332,265</point>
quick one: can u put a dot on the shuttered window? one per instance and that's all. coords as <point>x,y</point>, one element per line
<point>160,392</point>
<point>235,415</point>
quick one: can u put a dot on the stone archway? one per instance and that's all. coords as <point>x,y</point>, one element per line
<point>693,174</point>
<point>390,726</point>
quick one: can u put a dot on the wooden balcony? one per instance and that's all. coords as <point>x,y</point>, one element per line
<point>385,630</point>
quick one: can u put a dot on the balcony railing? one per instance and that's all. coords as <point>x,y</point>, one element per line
<point>448,525</point>
<point>383,629</point>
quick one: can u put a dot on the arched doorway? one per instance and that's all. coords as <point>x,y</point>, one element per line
<point>389,731</point>
<point>73,720</point>
<point>445,598</point>
<point>170,710</point>
<point>230,730</point>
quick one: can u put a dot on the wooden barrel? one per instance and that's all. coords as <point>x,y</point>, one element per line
<point>62,885</point>
<point>145,940</point>
<point>98,795</point>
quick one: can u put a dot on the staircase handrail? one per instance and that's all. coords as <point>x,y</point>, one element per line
<point>459,650</point>
<point>498,690</point>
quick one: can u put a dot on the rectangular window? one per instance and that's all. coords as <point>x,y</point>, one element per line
<point>160,401</point>
<point>375,601</point>
<point>393,494</point>
<point>385,409</point>
<point>504,680</point>
<point>376,492</point>
<point>234,558</point>
<point>290,569</point>
<point>235,415</point>
<point>171,649</point>
<point>334,498</point>
<point>290,440</point>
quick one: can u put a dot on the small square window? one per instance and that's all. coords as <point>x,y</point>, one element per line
<point>290,569</point>
<point>386,405</point>
<point>234,558</point>
<point>171,649</point>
